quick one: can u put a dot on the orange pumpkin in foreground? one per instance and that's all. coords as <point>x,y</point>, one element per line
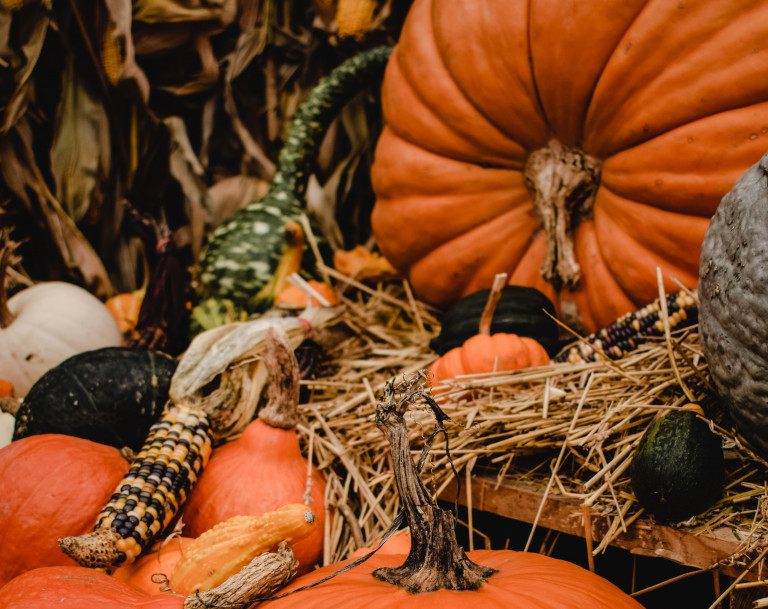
<point>524,581</point>
<point>53,485</point>
<point>160,561</point>
<point>575,146</point>
<point>78,588</point>
<point>436,572</point>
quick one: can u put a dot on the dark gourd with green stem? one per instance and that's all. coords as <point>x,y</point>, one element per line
<point>111,396</point>
<point>243,253</point>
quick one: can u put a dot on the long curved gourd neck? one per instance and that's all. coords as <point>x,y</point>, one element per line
<point>323,104</point>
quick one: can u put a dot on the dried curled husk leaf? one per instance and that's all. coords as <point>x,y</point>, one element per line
<point>80,151</point>
<point>231,354</point>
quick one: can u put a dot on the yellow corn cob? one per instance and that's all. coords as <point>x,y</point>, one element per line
<point>353,17</point>
<point>151,493</point>
<point>225,549</point>
<point>112,59</point>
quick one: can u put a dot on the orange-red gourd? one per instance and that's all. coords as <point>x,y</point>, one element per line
<point>525,581</point>
<point>78,588</point>
<point>258,472</point>
<point>53,486</point>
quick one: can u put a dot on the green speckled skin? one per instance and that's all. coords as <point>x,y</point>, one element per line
<point>242,253</point>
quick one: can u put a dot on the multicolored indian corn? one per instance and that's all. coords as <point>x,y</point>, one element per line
<point>151,493</point>
<point>632,329</point>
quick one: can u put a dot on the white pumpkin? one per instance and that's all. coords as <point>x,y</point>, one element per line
<point>51,322</point>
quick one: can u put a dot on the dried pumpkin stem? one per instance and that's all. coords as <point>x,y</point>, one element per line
<point>436,560</point>
<point>490,306</point>
<point>284,377</point>
<point>564,182</point>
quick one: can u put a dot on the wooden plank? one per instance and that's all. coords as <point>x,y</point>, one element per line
<point>520,501</point>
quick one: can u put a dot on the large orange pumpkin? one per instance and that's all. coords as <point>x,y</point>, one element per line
<point>436,572</point>
<point>590,143</point>
<point>51,486</point>
<point>524,581</point>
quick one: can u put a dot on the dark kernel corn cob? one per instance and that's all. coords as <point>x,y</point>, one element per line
<point>151,493</point>
<point>629,331</point>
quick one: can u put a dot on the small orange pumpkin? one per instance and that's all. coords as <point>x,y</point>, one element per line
<point>486,352</point>
<point>292,296</point>
<point>264,468</point>
<point>125,309</point>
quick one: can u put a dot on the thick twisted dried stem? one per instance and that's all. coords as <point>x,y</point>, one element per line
<point>436,560</point>
<point>564,182</point>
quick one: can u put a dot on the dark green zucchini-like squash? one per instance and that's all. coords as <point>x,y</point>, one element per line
<point>111,396</point>
<point>521,310</point>
<point>678,468</point>
<point>242,253</point>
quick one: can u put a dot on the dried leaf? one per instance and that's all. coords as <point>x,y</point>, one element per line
<point>174,11</point>
<point>250,44</point>
<point>354,17</point>
<point>207,77</point>
<point>23,177</point>
<point>232,193</point>
<point>17,61</point>
<point>120,13</point>
<point>363,265</point>
<point>80,152</point>
<point>189,173</point>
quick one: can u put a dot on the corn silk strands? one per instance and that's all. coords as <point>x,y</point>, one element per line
<point>569,428</point>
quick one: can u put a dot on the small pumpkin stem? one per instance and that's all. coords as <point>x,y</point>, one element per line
<point>284,377</point>
<point>490,306</point>
<point>436,560</point>
<point>564,182</point>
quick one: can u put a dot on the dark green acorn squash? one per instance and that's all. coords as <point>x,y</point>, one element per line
<point>520,310</point>
<point>111,396</point>
<point>678,468</point>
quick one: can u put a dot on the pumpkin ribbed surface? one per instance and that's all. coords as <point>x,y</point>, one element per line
<point>524,581</point>
<point>52,486</point>
<point>654,107</point>
<point>78,588</point>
